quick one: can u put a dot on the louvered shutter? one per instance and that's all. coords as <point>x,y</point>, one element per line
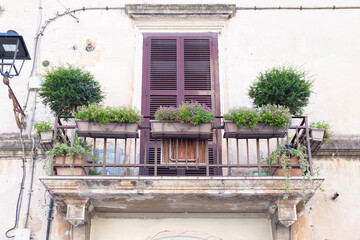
<point>177,68</point>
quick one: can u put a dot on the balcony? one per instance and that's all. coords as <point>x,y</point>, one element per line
<point>220,177</point>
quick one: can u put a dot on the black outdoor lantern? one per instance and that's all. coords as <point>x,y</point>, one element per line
<point>13,50</point>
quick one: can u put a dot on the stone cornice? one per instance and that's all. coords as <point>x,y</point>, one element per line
<point>140,11</point>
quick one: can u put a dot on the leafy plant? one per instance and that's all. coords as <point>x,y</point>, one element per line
<point>42,126</point>
<point>188,112</point>
<point>68,148</point>
<point>66,88</point>
<point>243,116</point>
<point>97,113</point>
<point>93,171</point>
<point>285,86</point>
<point>274,115</point>
<point>323,125</point>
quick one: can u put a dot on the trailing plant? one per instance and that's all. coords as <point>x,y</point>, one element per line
<point>102,115</point>
<point>67,148</point>
<point>243,116</point>
<point>65,88</point>
<point>283,156</point>
<point>274,115</point>
<point>42,126</point>
<point>285,86</point>
<point>188,112</point>
<point>323,125</point>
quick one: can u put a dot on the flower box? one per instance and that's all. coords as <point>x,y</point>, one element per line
<point>69,170</point>
<point>261,130</point>
<point>109,130</point>
<point>166,129</point>
<point>46,135</point>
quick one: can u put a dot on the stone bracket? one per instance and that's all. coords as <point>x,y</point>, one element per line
<point>78,211</point>
<point>286,212</point>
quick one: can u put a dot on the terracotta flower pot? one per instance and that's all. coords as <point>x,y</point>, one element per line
<point>109,130</point>
<point>67,170</point>
<point>261,130</point>
<point>292,171</point>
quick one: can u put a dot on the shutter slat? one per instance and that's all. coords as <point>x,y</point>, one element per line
<point>197,64</point>
<point>163,66</point>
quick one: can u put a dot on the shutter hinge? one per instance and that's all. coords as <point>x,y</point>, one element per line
<point>146,92</point>
<point>147,42</point>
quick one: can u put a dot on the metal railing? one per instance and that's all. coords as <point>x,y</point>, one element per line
<point>241,157</point>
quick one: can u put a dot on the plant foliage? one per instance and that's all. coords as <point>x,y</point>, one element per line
<point>65,88</point>
<point>42,126</point>
<point>188,112</point>
<point>274,115</point>
<point>285,86</point>
<point>102,115</point>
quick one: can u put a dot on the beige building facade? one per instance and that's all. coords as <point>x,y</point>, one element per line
<point>318,36</point>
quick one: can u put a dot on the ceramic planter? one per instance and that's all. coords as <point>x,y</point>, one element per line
<point>261,130</point>
<point>317,134</point>
<point>109,130</point>
<point>163,129</point>
<point>46,135</point>
<point>66,171</point>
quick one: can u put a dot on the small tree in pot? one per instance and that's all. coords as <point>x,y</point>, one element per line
<point>65,88</point>
<point>286,86</point>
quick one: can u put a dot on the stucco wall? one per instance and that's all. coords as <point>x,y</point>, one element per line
<point>324,218</point>
<point>229,229</point>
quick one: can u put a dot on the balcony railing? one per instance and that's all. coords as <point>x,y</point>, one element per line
<point>216,157</point>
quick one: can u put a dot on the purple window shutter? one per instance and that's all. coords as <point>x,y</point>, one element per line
<point>176,68</point>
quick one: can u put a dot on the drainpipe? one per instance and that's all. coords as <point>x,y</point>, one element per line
<point>49,218</point>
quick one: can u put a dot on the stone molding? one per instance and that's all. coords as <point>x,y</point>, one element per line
<point>140,11</point>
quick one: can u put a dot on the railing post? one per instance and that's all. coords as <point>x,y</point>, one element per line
<point>308,145</point>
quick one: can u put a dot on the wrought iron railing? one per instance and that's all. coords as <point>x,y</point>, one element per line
<point>225,157</point>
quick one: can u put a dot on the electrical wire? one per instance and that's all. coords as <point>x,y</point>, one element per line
<point>18,203</point>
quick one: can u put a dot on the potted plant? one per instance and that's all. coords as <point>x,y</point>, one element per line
<point>69,153</point>
<point>266,122</point>
<point>286,86</point>
<point>44,130</point>
<point>320,131</point>
<point>190,120</point>
<point>65,88</point>
<point>107,122</point>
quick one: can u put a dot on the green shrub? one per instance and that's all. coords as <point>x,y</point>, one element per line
<point>66,88</point>
<point>285,86</point>
<point>42,126</point>
<point>189,112</point>
<point>97,113</point>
